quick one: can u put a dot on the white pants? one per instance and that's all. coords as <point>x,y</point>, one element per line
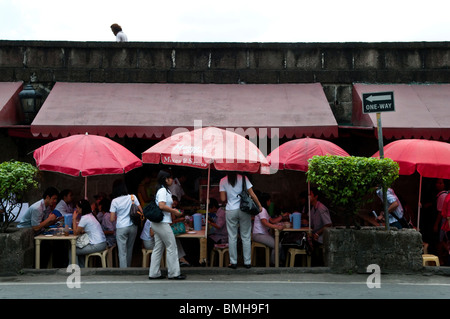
<point>164,238</point>
<point>239,219</point>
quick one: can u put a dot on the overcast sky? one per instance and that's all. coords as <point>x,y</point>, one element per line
<point>227,21</point>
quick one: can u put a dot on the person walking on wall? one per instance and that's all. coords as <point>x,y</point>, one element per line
<point>230,187</point>
<point>117,30</point>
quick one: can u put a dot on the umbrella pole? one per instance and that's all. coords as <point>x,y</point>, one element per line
<point>309,208</point>
<point>207,210</point>
<point>85,188</point>
<point>418,205</point>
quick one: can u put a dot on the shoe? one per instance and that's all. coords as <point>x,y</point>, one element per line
<point>184,264</point>
<point>160,277</point>
<point>232,266</point>
<point>248,266</point>
<point>179,277</point>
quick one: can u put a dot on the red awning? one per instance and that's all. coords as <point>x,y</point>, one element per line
<point>155,110</point>
<point>9,103</point>
<point>421,110</point>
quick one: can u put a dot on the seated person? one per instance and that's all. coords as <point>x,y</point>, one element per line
<point>220,234</point>
<point>38,216</point>
<point>64,205</point>
<point>90,225</point>
<point>262,225</point>
<point>109,227</point>
<point>181,252</point>
<point>147,236</point>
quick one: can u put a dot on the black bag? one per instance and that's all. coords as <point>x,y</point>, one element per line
<point>299,240</point>
<point>247,204</point>
<point>135,215</point>
<point>153,213</point>
<point>402,221</point>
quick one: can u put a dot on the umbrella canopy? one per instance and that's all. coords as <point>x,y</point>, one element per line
<point>201,148</point>
<point>429,158</point>
<point>85,155</point>
<point>294,155</point>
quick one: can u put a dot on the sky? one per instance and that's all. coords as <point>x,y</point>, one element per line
<point>227,21</point>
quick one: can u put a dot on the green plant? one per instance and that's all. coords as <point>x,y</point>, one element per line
<point>16,178</point>
<point>347,180</point>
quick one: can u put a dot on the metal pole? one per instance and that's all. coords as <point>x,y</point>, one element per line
<point>381,151</point>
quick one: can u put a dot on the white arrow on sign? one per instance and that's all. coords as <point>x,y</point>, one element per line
<point>372,98</point>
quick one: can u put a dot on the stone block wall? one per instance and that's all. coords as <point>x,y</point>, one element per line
<point>335,65</point>
<point>16,250</point>
<point>351,250</point>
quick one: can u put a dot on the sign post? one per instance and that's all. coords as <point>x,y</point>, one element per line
<point>376,103</point>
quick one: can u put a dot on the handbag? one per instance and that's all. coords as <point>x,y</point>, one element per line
<point>153,213</point>
<point>178,228</point>
<point>247,204</point>
<point>82,241</point>
<point>135,215</point>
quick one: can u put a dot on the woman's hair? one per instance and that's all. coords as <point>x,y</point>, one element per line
<point>232,178</point>
<point>161,178</point>
<point>213,203</point>
<point>119,189</point>
<point>106,204</point>
<point>64,193</point>
<point>264,198</point>
<point>85,207</point>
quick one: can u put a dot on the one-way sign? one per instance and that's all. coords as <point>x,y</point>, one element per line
<point>378,102</point>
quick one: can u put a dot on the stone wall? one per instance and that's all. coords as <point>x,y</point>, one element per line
<point>335,65</point>
<point>351,250</point>
<point>16,250</point>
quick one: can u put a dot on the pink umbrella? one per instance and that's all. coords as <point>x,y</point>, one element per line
<point>294,155</point>
<point>85,155</point>
<point>429,158</point>
<point>206,147</point>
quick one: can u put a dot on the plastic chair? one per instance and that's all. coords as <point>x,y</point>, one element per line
<point>221,250</point>
<point>112,252</point>
<point>259,245</point>
<point>101,254</point>
<point>292,253</point>
<point>145,258</point>
<point>430,258</point>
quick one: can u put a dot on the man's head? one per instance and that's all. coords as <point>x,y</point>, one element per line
<point>50,197</point>
<point>314,195</point>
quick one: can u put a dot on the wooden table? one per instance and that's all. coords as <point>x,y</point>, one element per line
<point>39,238</point>
<point>200,234</point>
<point>277,241</point>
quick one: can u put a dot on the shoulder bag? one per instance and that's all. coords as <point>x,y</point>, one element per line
<point>247,204</point>
<point>135,215</point>
<point>153,213</point>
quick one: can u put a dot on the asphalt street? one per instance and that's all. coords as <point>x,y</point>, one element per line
<point>204,283</point>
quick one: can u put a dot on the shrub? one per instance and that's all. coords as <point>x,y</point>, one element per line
<point>347,180</point>
<point>15,179</point>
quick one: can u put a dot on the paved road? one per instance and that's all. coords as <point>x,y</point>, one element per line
<point>238,285</point>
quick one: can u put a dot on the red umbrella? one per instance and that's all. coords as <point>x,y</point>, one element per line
<point>294,155</point>
<point>428,158</point>
<point>85,155</point>
<point>204,147</point>
<point>226,150</point>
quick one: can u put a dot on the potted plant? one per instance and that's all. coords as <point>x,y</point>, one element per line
<point>347,182</point>
<point>16,178</point>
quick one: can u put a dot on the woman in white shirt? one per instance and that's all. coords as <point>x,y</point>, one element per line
<point>262,225</point>
<point>90,225</point>
<point>230,187</point>
<point>164,237</point>
<point>126,231</point>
